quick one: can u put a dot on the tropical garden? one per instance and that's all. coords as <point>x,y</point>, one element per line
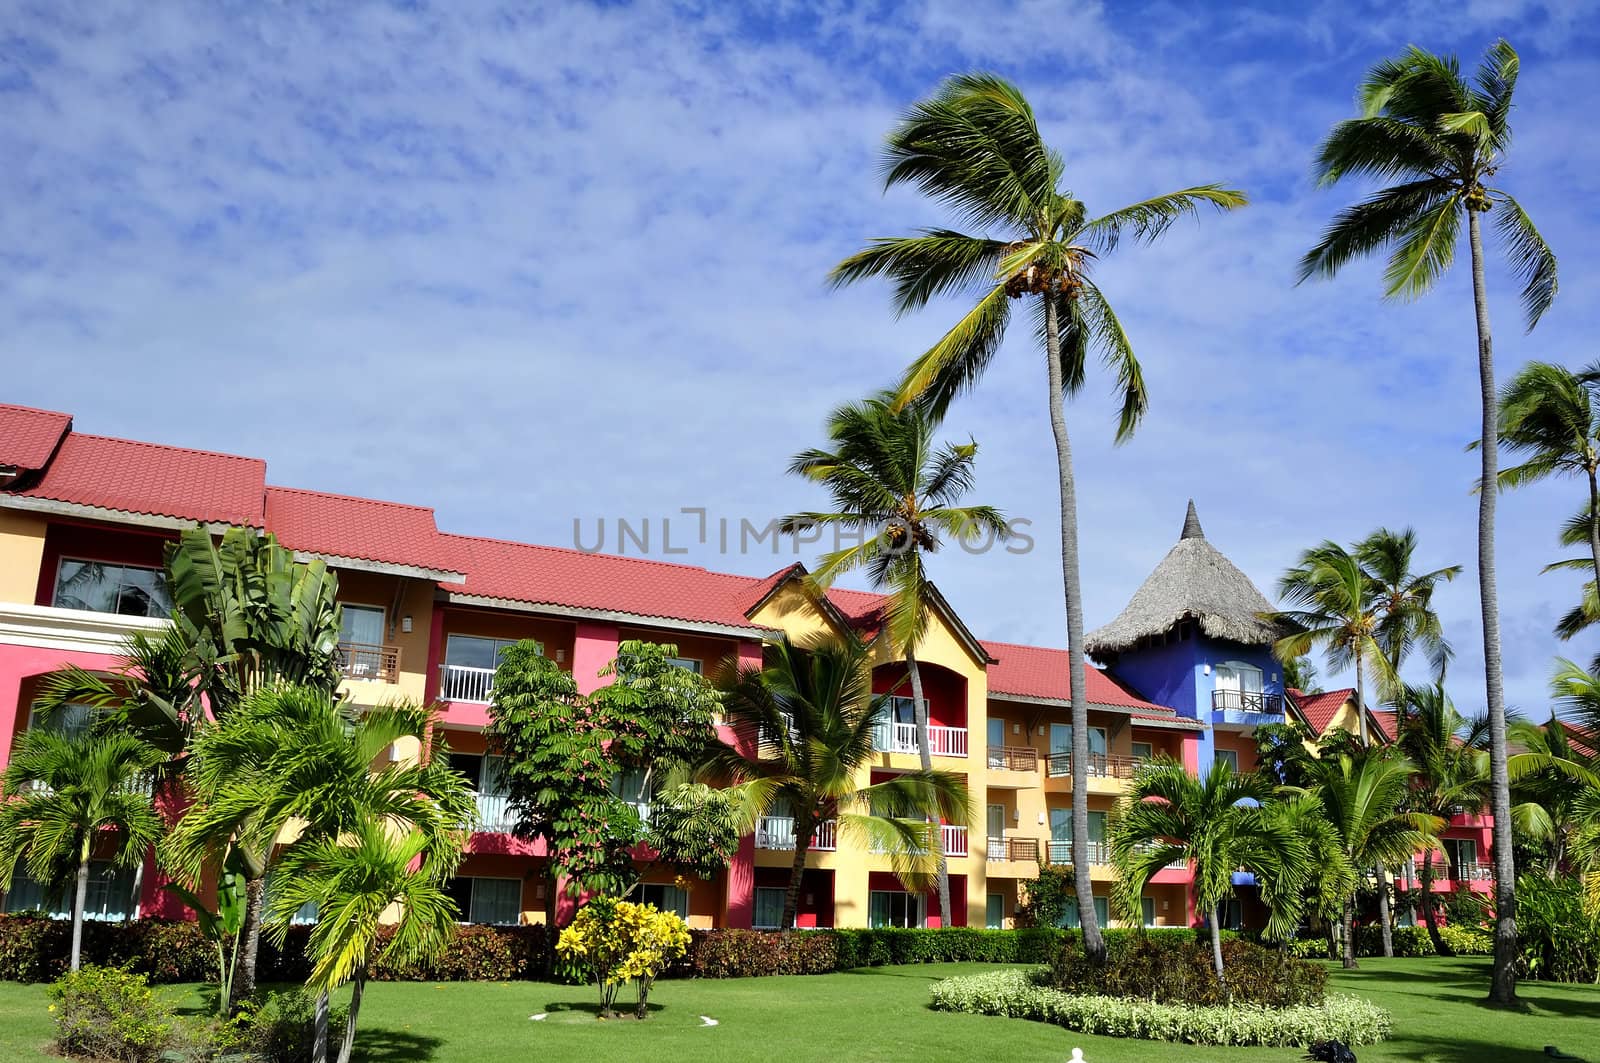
<point>313,841</point>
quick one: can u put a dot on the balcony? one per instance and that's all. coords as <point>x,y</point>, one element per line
<point>1252,708</point>
<point>1013,758</point>
<point>952,839</point>
<point>1101,765</point>
<point>1012,850</point>
<point>1061,852</point>
<point>494,814</point>
<point>459,682</point>
<point>777,832</point>
<point>1472,872</point>
<point>363,660</point>
<point>902,738</point>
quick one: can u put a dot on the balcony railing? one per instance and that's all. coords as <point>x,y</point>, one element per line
<point>1101,765</point>
<point>954,840</point>
<point>1175,865</point>
<point>363,660</point>
<point>459,682</point>
<point>1014,850</point>
<point>1013,758</point>
<point>1061,852</point>
<point>1472,872</point>
<point>1261,701</point>
<point>495,815</point>
<point>902,738</point>
<point>777,832</point>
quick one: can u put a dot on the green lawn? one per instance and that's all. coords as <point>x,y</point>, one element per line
<point>880,1014</point>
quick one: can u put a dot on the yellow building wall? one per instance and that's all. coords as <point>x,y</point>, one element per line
<point>21,554</point>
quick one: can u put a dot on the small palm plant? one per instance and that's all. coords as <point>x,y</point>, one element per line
<point>67,795</point>
<point>1218,825</point>
<point>804,727</point>
<point>898,490</point>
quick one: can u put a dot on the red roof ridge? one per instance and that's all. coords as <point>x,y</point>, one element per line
<point>348,498</point>
<point>573,551</point>
<point>169,447</point>
<point>1026,646</point>
<point>14,408</point>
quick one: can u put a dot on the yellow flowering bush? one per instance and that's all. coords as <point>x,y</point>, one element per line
<point>618,941</point>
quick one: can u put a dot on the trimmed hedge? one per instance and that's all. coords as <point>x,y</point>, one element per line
<point>1017,994</point>
<point>1167,969</point>
<point>1409,941</point>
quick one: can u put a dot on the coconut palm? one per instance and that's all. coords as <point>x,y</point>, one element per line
<point>1218,826</point>
<point>1561,771</point>
<point>975,146</point>
<point>1547,786</point>
<point>1447,751</point>
<point>896,490</point>
<point>368,879</point>
<point>1404,599</point>
<point>297,753</point>
<point>1441,138</point>
<point>1362,799</point>
<point>805,725</point>
<point>68,794</point>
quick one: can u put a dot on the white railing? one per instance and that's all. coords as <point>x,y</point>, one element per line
<point>777,832</point>
<point>902,738</point>
<point>953,839</point>
<point>1472,872</point>
<point>458,682</point>
<point>1061,852</point>
<point>495,815</point>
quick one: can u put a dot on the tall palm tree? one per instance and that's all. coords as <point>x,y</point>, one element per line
<point>67,794</point>
<point>297,753</point>
<point>1447,751</point>
<point>805,724</point>
<point>1424,125</point>
<point>370,878</point>
<point>1407,619</point>
<point>975,146</point>
<point>1218,825</point>
<point>898,491</point>
<point>1362,798</point>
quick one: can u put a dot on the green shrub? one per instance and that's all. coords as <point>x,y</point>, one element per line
<point>1019,995</point>
<point>108,1014</point>
<point>1467,940</point>
<point>1559,941</point>
<point>1407,941</point>
<point>34,948</point>
<point>1048,898</point>
<point>1177,969</point>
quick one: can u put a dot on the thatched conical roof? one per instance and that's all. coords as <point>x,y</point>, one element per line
<point>1194,581</point>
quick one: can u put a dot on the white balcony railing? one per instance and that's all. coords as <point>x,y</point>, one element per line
<point>1061,852</point>
<point>777,832</point>
<point>902,738</point>
<point>1472,872</point>
<point>1013,850</point>
<point>494,814</point>
<point>459,682</point>
<point>954,840</point>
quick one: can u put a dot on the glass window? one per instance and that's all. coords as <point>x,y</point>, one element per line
<point>670,898</point>
<point>632,785</point>
<point>362,624</point>
<point>69,719</point>
<point>893,908</point>
<point>1147,910</point>
<point>487,900</point>
<point>688,664</point>
<point>1143,750</point>
<point>1227,756</point>
<point>470,651</point>
<point>769,908</point>
<point>110,898</point>
<point>102,587</point>
<point>1102,913</point>
<point>1461,851</point>
<point>1061,738</point>
<point>994,911</point>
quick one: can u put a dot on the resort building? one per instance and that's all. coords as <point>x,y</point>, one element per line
<point>1187,671</point>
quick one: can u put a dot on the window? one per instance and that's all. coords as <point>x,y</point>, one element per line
<point>1102,913</point>
<point>994,911</point>
<point>111,898</point>
<point>1227,756</point>
<point>1143,751</point>
<point>997,740</point>
<point>101,587</point>
<point>769,908</point>
<point>1147,910</point>
<point>1238,675</point>
<point>889,908</point>
<point>487,900</point>
<point>1061,837</point>
<point>688,664</point>
<point>670,898</point>
<point>1460,852</point>
<point>69,719</point>
<point>362,624</point>
<point>470,651</point>
<point>633,786</point>
<point>304,915</point>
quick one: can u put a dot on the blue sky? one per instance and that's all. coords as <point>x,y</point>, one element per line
<point>532,266</point>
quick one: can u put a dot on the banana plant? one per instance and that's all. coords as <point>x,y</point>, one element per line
<point>224,927</point>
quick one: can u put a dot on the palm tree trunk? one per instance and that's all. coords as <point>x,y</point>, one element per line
<point>552,889</point>
<point>360,983</point>
<point>1094,946</point>
<point>925,749</point>
<point>1347,925</point>
<point>1386,932</point>
<point>1594,526</point>
<point>1429,917</point>
<point>1366,741</point>
<point>244,973</point>
<point>319,1030</point>
<point>797,870</point>
<point>1216,946</point>
<point>79,900</point>
<point>1503,982</point>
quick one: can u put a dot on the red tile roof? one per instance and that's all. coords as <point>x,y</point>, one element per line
<point>154,480</point>
<point>28,437</point>
<point>1320,709</point>
<point>359,528</point>
<point>1037,672</point>
<point>547,575</point>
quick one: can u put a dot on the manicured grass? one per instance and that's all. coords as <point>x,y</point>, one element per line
<point>880,1014</point>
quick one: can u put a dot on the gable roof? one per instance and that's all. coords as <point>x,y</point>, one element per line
<point>391,534</point>
<point>1318,710</point>
<point>1193,582</point>
<point>1037,673</point>
<point>28,437</point>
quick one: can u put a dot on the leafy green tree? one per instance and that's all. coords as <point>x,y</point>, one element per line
<point>1362,799</point>
<point>1441,138</point>
<point>896,490</point>
<point>1218,826</point>
<point>1448,754</point>
<point>68,793</point>
<point>803,728</point>
<point>975,146</point>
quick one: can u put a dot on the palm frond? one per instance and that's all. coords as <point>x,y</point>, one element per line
<point>1531,258</point>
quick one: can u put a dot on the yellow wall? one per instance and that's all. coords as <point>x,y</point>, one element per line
<point>21,554</point>
<point>416,601</point>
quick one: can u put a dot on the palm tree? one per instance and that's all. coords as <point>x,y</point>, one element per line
<point>1447,751</point>
<point>68,794</point>
<point>1547,785</point>
<point>1562,772</point>
<point>975,145</point>
<point>1362,798</point>
<point>297,753</point>
<point>369,878</point>
<point>811,716</point>
<point>1424,125</point>
<point>1218,825</point>
<point>897,490</point>
<point>1404,599</point>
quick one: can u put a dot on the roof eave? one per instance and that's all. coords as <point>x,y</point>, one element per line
<point>386,568</point>
<point>55,507</point>
<point>706,627</point>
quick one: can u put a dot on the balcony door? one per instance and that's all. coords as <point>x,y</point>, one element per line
<point>1238,685</point>
<point>997,740</point>
<point>1061,748</point>
<point>361,634</point>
